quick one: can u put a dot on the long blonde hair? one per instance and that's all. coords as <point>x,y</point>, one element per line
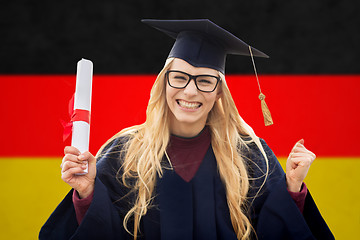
<point>148,142</point>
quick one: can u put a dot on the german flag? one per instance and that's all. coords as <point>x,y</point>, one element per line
<point>311,81</point>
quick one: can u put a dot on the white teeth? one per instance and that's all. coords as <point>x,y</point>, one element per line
<point>188,104</point>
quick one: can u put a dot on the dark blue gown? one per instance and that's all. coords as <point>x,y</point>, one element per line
<point>189,210</point>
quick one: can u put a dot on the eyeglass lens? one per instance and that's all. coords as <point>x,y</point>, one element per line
<point>180,80</point>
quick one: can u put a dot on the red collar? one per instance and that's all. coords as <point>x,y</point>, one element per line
<point>186,154</point>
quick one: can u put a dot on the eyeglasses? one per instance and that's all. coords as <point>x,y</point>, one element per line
<point>204,83</point>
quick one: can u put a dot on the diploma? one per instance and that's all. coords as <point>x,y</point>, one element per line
<point>82,104</point>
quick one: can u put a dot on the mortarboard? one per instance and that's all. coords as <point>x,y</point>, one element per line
<point>202,43</point>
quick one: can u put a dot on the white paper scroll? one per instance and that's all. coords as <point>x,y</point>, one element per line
<point>81,130</point>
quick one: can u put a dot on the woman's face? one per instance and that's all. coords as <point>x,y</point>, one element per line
<point>189,106</point>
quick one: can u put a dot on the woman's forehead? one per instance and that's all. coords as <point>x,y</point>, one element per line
<point>182,65</point>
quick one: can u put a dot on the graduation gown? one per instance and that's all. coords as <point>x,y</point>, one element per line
<point>189,210</point>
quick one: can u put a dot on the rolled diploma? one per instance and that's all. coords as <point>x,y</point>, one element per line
<point>81,130</point>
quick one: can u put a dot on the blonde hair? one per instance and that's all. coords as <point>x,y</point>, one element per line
<point>148,141</point>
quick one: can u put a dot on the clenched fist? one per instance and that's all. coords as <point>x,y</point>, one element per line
<point>297,166</point>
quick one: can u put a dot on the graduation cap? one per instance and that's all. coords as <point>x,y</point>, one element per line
<point>202,43</point>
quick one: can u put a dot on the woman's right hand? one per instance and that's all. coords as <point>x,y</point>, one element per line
<point>74,163</point>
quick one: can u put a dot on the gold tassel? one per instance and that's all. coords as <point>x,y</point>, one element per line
<point>265,110</point>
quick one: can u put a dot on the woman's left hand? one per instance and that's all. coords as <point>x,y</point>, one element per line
<point>297,166</point>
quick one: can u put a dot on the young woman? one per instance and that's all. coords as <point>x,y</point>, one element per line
<point>194,169</point>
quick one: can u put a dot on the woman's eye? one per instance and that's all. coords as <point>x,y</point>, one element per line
<point>179,77</point>
<point>204,81</point>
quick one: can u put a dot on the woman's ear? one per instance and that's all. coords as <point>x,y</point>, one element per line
<point>219,92</point>
<point>218,95</point>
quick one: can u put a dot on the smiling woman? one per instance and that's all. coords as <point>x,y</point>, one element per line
<point>194,169</point>
<point>189,106</point>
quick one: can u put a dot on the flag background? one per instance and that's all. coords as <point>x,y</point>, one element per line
<point>311,82</point>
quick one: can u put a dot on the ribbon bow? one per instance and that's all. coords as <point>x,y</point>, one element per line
<point>75,115</point>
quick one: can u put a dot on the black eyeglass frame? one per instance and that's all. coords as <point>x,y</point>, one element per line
<point>190,78</point>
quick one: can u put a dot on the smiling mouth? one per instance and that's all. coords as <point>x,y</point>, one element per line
<point>189,105</point>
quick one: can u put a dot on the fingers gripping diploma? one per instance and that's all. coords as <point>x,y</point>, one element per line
<point>74,163</point>
<point>297,166</point>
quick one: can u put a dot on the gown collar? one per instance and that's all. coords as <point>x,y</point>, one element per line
<point>186,154</point>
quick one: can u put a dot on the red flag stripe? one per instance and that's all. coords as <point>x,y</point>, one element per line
<point>322,109</point>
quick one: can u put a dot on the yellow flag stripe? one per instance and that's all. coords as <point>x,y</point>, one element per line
<point>31,188</point>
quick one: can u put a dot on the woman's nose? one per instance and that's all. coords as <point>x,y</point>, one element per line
<point>191,88</point>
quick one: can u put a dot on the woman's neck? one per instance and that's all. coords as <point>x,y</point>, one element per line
<point>186,130</point>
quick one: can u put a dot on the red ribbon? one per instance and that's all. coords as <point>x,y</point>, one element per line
<point>75,115</point>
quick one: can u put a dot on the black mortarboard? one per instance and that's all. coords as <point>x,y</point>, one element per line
<point>202,43</point>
